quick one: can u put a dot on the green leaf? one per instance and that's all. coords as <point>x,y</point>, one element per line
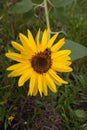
<point>22,7</point>
<point>61,3</point>
<point>28,15</point>
<point>59,13</point>
<point>78,51</point>
<point>2,113</point>
<point>37,1</point>
<point>80,113</point>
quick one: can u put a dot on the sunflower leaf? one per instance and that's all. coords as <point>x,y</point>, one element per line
<point>61,3</point>
<point>78,51</point>
<point>21,7</point>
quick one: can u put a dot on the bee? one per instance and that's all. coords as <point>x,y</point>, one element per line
<point>47,52</point>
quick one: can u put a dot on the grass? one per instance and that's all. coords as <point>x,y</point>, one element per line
<point>65,110</point>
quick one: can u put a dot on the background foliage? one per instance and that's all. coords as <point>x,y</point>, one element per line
<point>68,108</point>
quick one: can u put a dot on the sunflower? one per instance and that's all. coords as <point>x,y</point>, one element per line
<point>39,61</point>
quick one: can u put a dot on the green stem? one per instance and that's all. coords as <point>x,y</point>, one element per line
<point>46,15</point>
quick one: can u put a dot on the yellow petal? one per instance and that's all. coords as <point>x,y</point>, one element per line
<point>51,41</point>
<point>50,83</point>
<point>61,68</point>
<point>57,83</point>
<point>61,59</point>
<point>56,77</point>
<point>17,46</point>
<point>45,91</point>
<point>18,71</point>
<point>26,43</point>
<point>62,63</point>
<point>31,40</point>
<point>16,66</point>
<point>15,56</point>
<point>32,83</point>
<point>14,74</point>
<point>26,56</point>
<point>62,53</point>
<point>40,84</point>
<point>39,47</point>
<point>58,45</point>
<point>38,38</point>
<point>35,89</point>
<point>44,39</point>
<point>24,77</point>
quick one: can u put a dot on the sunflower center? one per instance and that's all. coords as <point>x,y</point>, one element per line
<point>41,62</point>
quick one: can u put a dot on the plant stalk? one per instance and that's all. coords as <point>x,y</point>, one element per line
<point>46,15</point>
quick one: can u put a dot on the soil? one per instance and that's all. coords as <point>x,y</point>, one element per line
<point>24,119</point>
